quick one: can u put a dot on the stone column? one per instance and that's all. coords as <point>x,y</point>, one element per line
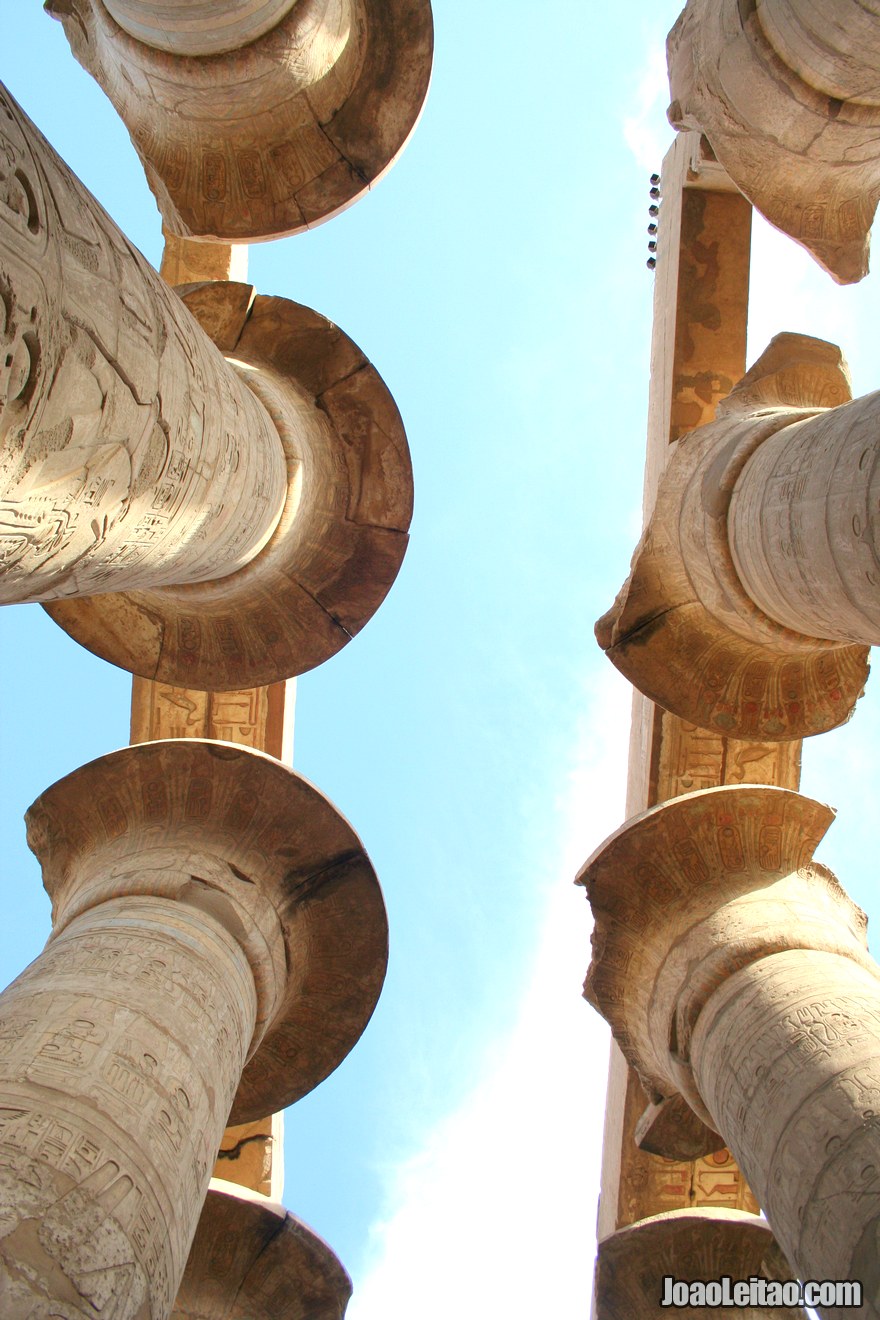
<point>789,97</point>
<point>219,939</point>
<point>239,521</point>
<point>121,425</point>
<point>733,971</point>
<point>251,1258</point>
<point>699,1244</point>
<point>326,92</point>
<point>752,597</point>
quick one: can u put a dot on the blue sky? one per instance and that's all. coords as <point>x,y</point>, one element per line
<point>473,733</point>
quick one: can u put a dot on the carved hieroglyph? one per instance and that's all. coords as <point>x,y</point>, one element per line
<point>121,425</point>
<point>697,1244</point>
<point>733,971</point>
<point>789,97</point>
<point>247,134</point>
<point>219,938</point>
<point>758,570</point>
<point>141,466</point>
<point>250,1258</point>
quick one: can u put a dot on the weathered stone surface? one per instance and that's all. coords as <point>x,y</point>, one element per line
<point>342,533</point>
<point>324,100</point>
<point>250,1259</point>
<point>753,506</point>
<point>689,1245</point>
<point>788,97</point>
<point>211,913</point>
<point>733,971</point>
<point>121,461</point>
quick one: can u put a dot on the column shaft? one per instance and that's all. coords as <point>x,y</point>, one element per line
<point>786,1054</point>
<point>121,1048</point>
<point>803,525</point>
<point>133,454</point>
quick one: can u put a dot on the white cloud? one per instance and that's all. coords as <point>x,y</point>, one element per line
<point>790,291</point>
<point>496,1213</point>
<point>646,132</point>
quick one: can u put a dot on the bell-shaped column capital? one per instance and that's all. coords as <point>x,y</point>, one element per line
<point>688,893</point>
<point>325,93</point>
<point>683,629</point>
<point>636,1266</point>
<point>342,535</point>
<point>251,1257</point>
<point>798,138</point>
<point>238,835</point>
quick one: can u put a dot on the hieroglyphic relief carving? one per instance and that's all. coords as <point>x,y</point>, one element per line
<point>326,98</point>
<point>723,619</point>
<point>261,718</point>
<point>739,979</point>
<point>788,97</point>
<point>208,906</point>
<point>120,464</point>
<point>93,1069</point>
<point>658,1182</point>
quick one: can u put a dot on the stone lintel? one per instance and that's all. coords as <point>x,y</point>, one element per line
<point>683,628</point>
<point>325,104</point>
<point>698,353</point>
<point>690,892</point>
<point>695,1244</point>
<point>343,530</point>
<point>188,261</point>
<point>251,1156</point>
<point>250,1258</point>
<point>230,830</point>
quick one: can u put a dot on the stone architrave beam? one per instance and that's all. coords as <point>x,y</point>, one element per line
<point>219,939</point>
<point>701,1243</point>
<point>228,523</point>
<point>789,96</point>
<point>250,1257</point>
<point>733,971</point>
<point>752,596</point>
<point>258,120</point>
